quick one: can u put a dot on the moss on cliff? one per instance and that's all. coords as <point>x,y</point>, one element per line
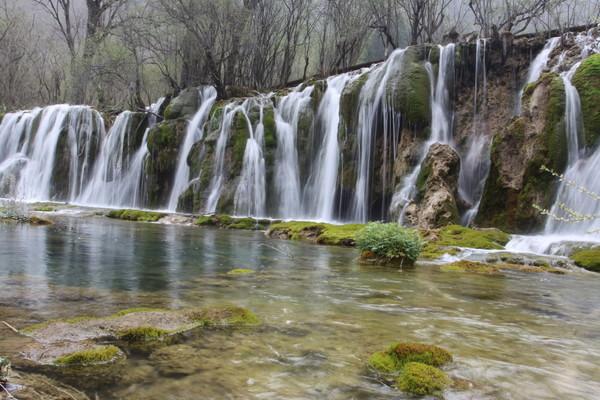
<point>587,82</point>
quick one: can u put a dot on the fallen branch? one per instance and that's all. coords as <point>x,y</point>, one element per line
<point>12,328</point>
<point>10,396</point>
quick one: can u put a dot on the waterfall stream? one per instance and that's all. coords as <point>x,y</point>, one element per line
<point>194,133</point>
<point>441,125</point>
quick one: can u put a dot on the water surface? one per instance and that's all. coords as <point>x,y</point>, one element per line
<point>517,336</point>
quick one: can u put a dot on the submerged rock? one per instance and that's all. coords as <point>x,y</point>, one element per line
<point>437,189</point>
<point>25,386</point>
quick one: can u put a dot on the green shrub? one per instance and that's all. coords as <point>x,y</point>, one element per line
<point>389,242</point>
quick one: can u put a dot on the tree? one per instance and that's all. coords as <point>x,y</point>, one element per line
<point>509,15</point>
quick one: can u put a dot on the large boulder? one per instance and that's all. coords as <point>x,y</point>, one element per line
<point>587,82</point>
<point>437,189</point>
<point>184,105</point>
<point>537,138</point>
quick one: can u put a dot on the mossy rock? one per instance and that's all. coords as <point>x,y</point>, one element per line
<point>96,355</point>
<point>228,222</point>
<point>409,92</point>
<point>498,268</point>
<point>399,354</point>
<point>349,101</point>
<point>587,82</point>
<point>469,266</point>
<point>447,239</point>
<point>184,105</point>
<point>136,215</point>
<point>588,259</point>
<point>319,233</point>
<point>44,209</point>
<point>422,380</point>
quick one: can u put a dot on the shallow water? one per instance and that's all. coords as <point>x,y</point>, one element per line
<point>517,336</point>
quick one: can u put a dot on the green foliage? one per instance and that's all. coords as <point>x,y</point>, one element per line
<point>142,334</point>
<point>97,355</point>
<point>421,379</point>
<point>390,241</point>
<point>588,259</point>
<point>587,82</point>
<point>136,215</point>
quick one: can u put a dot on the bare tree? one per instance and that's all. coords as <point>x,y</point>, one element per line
<point>514,16</point>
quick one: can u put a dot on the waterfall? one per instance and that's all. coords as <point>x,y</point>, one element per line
<point>118,175</point>
<point>322,185</point>
<point>374,103</point>
<point>539,63</point>
<point>475,164</point>
<point>441,124</point>
<point>194,133</point>
<point>287,178</point>
<point>250,196</point>
<point>29,145</point>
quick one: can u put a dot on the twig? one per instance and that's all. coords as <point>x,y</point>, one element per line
<point>12,328</point>
<point>10,396</point>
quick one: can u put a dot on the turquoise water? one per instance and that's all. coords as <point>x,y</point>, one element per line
<point>517,336</point>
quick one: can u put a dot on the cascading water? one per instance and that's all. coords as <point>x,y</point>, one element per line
<point>322,184</point>
<point>539,63</point>
<point>374,103</point>
<point>475,163</point>
<point>250,196</point>
<point>287,178</point>
<point>441,124</point>
<point>117,178</point>
<point>194,133</point>
<point>29,147</point>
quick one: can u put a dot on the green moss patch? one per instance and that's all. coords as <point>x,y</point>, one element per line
<point>316,232</point>
<point>446,240</point>
<point>142,334</point>
<point>394,359</point>
<point>228,222</point>
<point>241,272</point>
<point>588,259</point>
<point>422,380</point>
<point>483,268</point>
<point>45,208</point>
<point>96,355</point>
<point>587,82</point>
<point>224,316</point>
<point>136,215</point>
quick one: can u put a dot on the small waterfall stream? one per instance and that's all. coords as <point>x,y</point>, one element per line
<point>322,184</point>
<point>287,178</point>
<point>475,162</point>
<point>194,133</point>
<point>441,125</point>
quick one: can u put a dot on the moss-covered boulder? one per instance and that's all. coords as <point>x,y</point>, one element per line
<point>228,222</point>
<point>587,82</point>
<point>420,379</point>
<point>587,258</point>
<point>184,105</point>
<point>409,91</point>
<point>164,141</point>
<point>537,138</point>
<point>497,268</point>
<point>398,355</point>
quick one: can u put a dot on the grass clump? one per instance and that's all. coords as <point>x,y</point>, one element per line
<point>588,259</point>
<point>421,379</point>
<point>142,334</point>
<point>136,215</point>
<point>225,316</point>
<point>97,355</point>
<point>389,242</point>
